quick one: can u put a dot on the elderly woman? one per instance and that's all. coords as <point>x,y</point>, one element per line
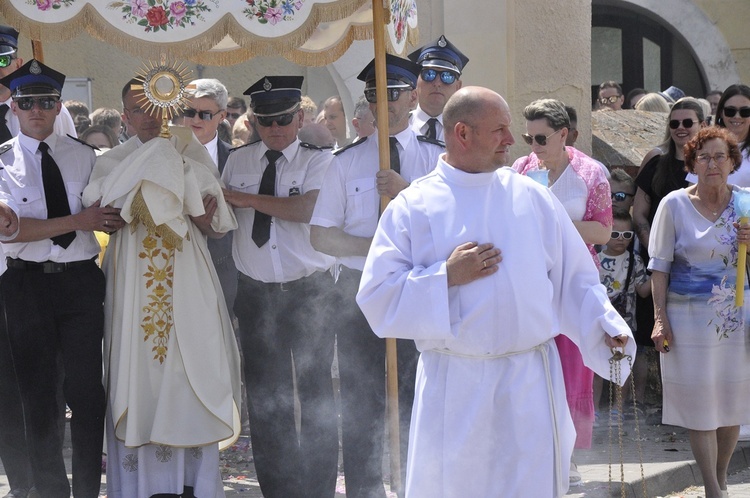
<point>580,184</point>
<point>703,337</point>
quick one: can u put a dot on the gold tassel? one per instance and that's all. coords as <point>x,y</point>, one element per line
<point>141,214</point>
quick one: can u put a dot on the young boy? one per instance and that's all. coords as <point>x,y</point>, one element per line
<point>623,284</point>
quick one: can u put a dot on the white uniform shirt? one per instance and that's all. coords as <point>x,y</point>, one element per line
<point>21,181</point>
<point>349,199</point>
<point>418,122</point>
<point>63,122</point>
<point>213,148</point>
<point>288,255</point>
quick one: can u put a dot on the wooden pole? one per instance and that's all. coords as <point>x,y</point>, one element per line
<point>379,11</point>
<point>37,50</point>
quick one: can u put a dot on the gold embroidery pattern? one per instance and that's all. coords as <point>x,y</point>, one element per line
<point>158,322</point>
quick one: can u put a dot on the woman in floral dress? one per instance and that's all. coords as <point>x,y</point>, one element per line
<point>703,337</point>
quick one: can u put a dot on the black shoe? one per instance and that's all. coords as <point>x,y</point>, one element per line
<point>17,493</point>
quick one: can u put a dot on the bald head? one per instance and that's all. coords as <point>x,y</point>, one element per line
<point>477,130</point>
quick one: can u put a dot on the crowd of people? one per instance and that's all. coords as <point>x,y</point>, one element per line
<point>247,248</point>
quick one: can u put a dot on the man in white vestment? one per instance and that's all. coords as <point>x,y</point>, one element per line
<point>482,267</point>
<point>172,368</point>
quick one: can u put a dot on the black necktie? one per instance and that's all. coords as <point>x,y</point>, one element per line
<point>262,221</point>
<point>5,134</point>
<point>54,194</point>
<point>432,128</point>
<point>395,160</point>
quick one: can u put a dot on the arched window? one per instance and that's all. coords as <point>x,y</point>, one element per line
<point>634,49</point>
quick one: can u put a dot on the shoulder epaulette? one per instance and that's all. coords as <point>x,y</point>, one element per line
<point>5,148</point>
<point>243,145</point>
<point>434,141</point>
<point>315,147</point>
<point>84,143</point>
<point>347,147</point>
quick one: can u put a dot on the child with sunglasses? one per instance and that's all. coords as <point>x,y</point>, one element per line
<point>622,272</point>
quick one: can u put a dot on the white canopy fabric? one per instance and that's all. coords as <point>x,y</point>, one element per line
<point>216,32</point>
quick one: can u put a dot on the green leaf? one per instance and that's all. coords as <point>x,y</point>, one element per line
<point>143,22</point>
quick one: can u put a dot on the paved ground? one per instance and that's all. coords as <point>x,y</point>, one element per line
<point>668,466</point>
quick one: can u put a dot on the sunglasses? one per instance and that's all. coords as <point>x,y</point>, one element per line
<point>204,115</point>
<point>27,103</point>
<point>392,93</point>
<point>447,77</point>
<point>621,196</point>
<point>731,111</point>
<point>686,123</point>
<point>234,115</point>
<point>540,139</point>
<point>622,235</point>
<point>279,119</point>
<point>6,60</point>
<point>609,100</point>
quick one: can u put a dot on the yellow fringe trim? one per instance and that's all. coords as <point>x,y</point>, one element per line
<point>197,48</point>
<point>141,214</point>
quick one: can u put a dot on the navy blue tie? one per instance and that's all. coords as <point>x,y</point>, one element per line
<point>55,194</point>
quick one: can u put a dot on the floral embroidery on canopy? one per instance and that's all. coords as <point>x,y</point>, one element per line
<point>154,15</point>
<point>50,4</point>
<point>216,32</point>
<point>272,11</point>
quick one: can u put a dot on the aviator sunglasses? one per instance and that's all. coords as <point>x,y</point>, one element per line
<point>204,115</point>
<point>730,112</point>
<point>446,77</point>
<point>609,100</point>
<point>686,123</point>
<point>5,60</point>
<point>540,139</point>
<point>279,119</point>
<point>622,235</point>
<point>26,103</point>
<point>392,93</point>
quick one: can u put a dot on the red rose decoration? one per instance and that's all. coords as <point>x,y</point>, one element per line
<point>157,16</point>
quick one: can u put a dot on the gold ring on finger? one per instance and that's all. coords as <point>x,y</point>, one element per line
<point>484,263</point>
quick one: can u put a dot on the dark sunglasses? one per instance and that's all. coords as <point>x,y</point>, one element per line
<point>5,60</point>
<point>686,123</point>
<point>26,103</point>
<point>621,196</point>
<point>279,119</point>
<point>622,235</point>
<point>447,77</point>
<point>392,93</point>
<point>731,111</point>
<point>204,115</point>
<point>540,139</point>
<point>234,115</point>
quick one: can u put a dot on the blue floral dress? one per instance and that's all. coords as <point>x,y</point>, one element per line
<point>706,374</point>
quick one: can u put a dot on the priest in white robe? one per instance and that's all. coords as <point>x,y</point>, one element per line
<point>482,267</point>
<point>172,368</point>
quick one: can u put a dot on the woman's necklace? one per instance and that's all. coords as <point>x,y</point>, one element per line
<point>720,206</point>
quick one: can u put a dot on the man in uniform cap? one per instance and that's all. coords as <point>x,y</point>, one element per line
<point>441,66</point>
<point>282,296</point>
<point>343,224</point>
<point>53,289</point>
<point>10,62</point>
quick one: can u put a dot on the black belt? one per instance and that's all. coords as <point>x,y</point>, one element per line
<point>46,266</point>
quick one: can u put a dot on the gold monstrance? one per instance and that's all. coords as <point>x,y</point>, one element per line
<point>163,88</point>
